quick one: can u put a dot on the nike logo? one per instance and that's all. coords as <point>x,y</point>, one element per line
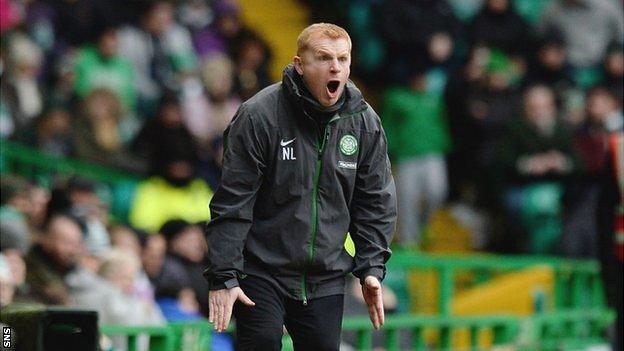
<point>284,143</point>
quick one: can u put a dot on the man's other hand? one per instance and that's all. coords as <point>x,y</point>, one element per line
<point>221,303</point>
<point>371,290</point>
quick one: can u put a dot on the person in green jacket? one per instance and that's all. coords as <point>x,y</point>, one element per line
<point>99,66</point>
<point>414,120</point>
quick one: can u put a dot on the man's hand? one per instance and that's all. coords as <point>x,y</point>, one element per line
<point>371,290</point>
<point>221,303</point>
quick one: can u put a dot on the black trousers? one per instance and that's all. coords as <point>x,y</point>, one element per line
<point>315,326</point>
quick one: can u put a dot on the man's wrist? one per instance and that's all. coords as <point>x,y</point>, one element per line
<point>374,272</point>
<point>223,284</point>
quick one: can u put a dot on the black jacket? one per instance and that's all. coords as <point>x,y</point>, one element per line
<point>291,191</point>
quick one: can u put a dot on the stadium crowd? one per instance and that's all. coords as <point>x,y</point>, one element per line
<point>505,113</point>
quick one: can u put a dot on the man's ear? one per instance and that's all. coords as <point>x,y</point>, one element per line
<point>298,64</point>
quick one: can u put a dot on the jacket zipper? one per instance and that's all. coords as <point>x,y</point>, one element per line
<point>317,176</point>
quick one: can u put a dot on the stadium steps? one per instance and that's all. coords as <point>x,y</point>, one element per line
<point>279,22</point>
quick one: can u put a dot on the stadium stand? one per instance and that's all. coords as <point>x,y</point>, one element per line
<point>505,126</point>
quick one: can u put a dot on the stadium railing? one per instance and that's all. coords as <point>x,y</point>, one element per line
<point>161,338</point>
<point>563,330</point>
<point>187,336</point>
<point>577,283</point>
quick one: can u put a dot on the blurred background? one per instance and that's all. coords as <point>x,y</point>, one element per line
<point>504,125</point>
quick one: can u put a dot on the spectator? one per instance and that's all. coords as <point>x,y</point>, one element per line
<point>175,192</point>
<point>39,198</point>
<point>159,50</point>
<point>79,198</point>
<point>415,122</point>
<point>62,82</point>
<point>112,296</point>
<point>176,297</point>
<point>440,60</point>
<point>54,133</point>
<point>251,55</point>
<point>76,22</point>
<point>181,291</point>
<point>98,132</point>
<point>16,206</point>
<point>120,268</point>
<point>22,95</point>
<point>591,140</point>
<point>15,237</point>
<point>38,18</point>
<point>10,15</point>
<point>611,230</point>
<point>23,211</point>
<point>490,107</point>
<point>7,283</point>
<point>207,115</point>
<point>498,26</point>
<point>124,238</point>
<point>195,14</point>
<point>184,264</point>
<point>614,71</point>
<point>87,206</point>
<point>588,26</point>
<point>462,126</point>
<point>604,116</point>
<point>39,22</point>
<point>14,258</point>
<point>50,261</point>
<point>100,66</point>
<point>408,27</point>
<point>153,255</point>
<point>221,33</point>
<point>550,67</point>
<point>164,134</point>
<point>536,159</point>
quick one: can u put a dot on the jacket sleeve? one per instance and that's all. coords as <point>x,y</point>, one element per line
<point>231,207</point>
<point>373,210</point>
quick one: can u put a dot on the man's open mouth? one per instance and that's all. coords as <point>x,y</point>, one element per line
<point>332,86</point>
